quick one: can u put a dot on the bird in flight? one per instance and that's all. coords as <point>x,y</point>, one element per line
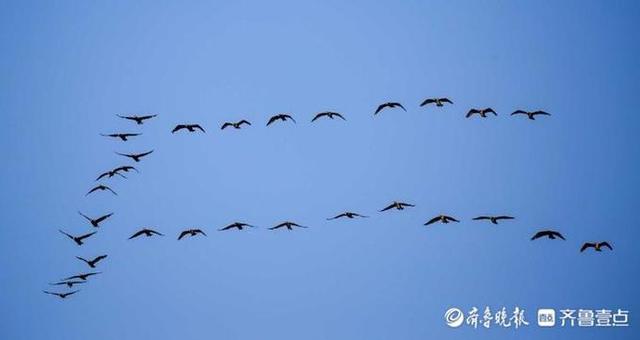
<point>328,114</point>
<point>481,112</point>
<point>101,187</point>
<point>347,214</point>
<point>78,239</point>
<point>96,221</point>
<point>134,156</point>
<point>596,245</point>
<point>123,136</point>
<point>125,168</point>
<point>92,263</point>
<point>188,127</point>
<point>390,105</point>
<point>493,219</point>
<point>438,101</point>
<point>235,125</point>
<point>61,295</point>
<point>551,234</point>
<point>530,114</point>
<point>146,232</point>
<point>138,119</point>
<point>68,283</point>
<point>237,225</point>
<point>397,205</point>
<point>441,218</point>
<point>283,117</point>
<point>191,232</point>
<point>110,174</point>
<point>82,277</point>
<point>288,225</point>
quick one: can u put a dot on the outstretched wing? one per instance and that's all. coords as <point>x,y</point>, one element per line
<point>433,220</point>
<point>144,153</point>
<point>388,207</point>
<point>503,217</point>
<point>472,112</point>
<point>197,126</point>
<point>558,234</point>
<point>446,100</point>
<point>82,237</point>
<point>606,244</point>
<point>319,115</point>
<point>380,108</point>
<point>138,233</point>
<point>400,105</point>
<point>272,119</point>
<point>225,125</point>
<point>540,113</point>
<point>428,101</point>
<point>289,117</point>
<point>539,235</point>
<point>183,234</point>
<point>518,112</point>
<point>481,218</point>
<point>64,233</point>
<point>586,246</point>
<point>178,128</point>
<point>490,110</point>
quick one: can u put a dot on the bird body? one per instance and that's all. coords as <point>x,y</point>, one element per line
<point>442,219</point>
<point>288,225</point>
<point>493,219</point>
<point>191,232</point>
<point>531,114</point>
<point>397,205</point>
<point>123,136</point>
<point>347,214</point>
<point>138,119</point>
<point>79,240</point>
<point>283,117</point>
<point>438,101</point>
<point>146,232</point>
<point>551,234</point>
<point>481,112</point>
<point>389,105</point>
<point>328,114</point>
<point>135,156</point>
<point>188,127</point>
<point>597,246</point>
<point>236,125</point>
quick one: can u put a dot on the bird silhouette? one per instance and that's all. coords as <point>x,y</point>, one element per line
<point>123,136</point>
<point>397,205</point>
<point>596,245</point>
<point>235,125</point>
<point>481,112</point>
<point>109,174</point>
<point>138,119</point>
<point>390,105</point>
<point>135,156</point>
<point>288,225</point>
<point>125,168</point>
<point>328,114</point>
<point>438,101</point>
<point>96,221</point>
<point>191,232</point>
<point>78,239</point>
<point>237,225</point>
<point>551,234</point>
<point>283,117</point>
<point>68,283</point>
<point>441,218</point>
<point>188,127</point>
<point>92,263</point>
<point>100,187</point>
<point>61,295</point>
<point>146,232</point>
<point>346,214</point>
<point>82,277</point>
<point>531,114</point>
<point>493,219</point>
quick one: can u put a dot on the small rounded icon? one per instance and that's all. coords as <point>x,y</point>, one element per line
<point>454,317</point>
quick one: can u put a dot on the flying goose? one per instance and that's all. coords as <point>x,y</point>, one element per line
<point>68,283</point>
<point>101,187</point>
<point>237,225</point>
<point>134,156</point>
<point>596,245</point>
<point>441,218</point>
<point>77,239</point>
<point>191,232</point>
<point>493,219</point>
<point>123,136</point>
<point>288,225</point>
<point>531,114</point>
<point>397,205</point>
<point>61,295</point>
<point>188,127</point>
<point>283,117</point>
<point>551,234</point>
<point>95,221</point>
<point>138,119</point>
<point>235,125</point>
<point>328,114</point>
<point>438,101</point>
<point>92,263</point>
<point>82,277</point>
<point>347,214</point>
<point>390,105</point>
<point>146,232</point>
<point>481,112</point>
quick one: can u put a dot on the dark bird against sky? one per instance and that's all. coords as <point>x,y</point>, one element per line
<point>288,225</point>
<point>191,232</point>
<point>92,263</point>
<point>146,232</point>
<point>283,117</point>
<point>96,221</point>
<point>397,205</point>
<point>347,214</point>
<point>61,295</point>
<point>481,112</point>
<point>83,277</point>
<point>77,239</point>
<point>237,225</point>
<point>122,136</point>
<point>188,127</point>
<point>530,114</point>
<point>235,125</point>
<point>328,114</point>
<point>138,119</point>
<point>135,156</point>
<point>597,246</point>
<point>493,219</point>
<point>438,101</point>
<point>390,105</point>
<point>442,219</point>
<point>551,234</point>
<point>101,187</point>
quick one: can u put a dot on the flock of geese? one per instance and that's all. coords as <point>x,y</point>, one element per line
<point>95,222</point>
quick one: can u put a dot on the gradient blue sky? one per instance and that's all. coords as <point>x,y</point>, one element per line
<point>69,66</point>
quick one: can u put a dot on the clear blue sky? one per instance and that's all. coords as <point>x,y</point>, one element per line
<point>69,66</point>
